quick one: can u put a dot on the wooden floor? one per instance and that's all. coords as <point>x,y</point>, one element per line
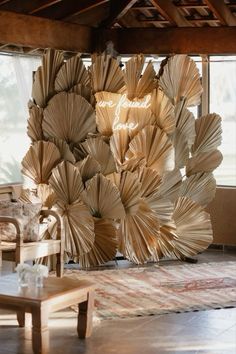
<point>212,332</point>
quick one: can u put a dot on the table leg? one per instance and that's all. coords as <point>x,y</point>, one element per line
<point>85,316</point>
<point>23,318</point>
<point>40,334</point>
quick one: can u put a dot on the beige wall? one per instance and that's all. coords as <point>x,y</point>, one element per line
<point>223,215</point>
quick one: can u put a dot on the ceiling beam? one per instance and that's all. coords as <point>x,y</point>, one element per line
<point>117,10</point>
<point>201,40</point>
<point>222,12</point>
<point>170,12</point>
<point>35,32</point>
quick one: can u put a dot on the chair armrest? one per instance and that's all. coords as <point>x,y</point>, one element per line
<point>16,223</point>
<point>48,212</point>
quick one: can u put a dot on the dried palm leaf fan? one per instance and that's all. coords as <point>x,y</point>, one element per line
<point>71,73</point>
<point>67,183</point>
<point>138,235</point>
<point>208,133</point>
<point>185,122</point>
<point>85,92</point>
<point>105,246</point>
<point>200,188</point>
<point>180,144</point>
<point>103,198</point>
<point>130,190</point>
<point>43,85</point>
<point>137,84</point>
<point>39,161</point>
<point>138,118</point>
<point>88,167</point>
<point>170,185</point>
<point>46,195</point>
<point>163,110</point>
<point>79,228</point>
<point>204,162</point>
<point>34,127</point>
<point>181,80</point>
<point>155,146</point>
<point>69,117</point>
<point>119,144</point>
<point>109,109</point>
<point>106,74</point>
<point>63,147</point>
<point>101,152</point>
<point>133,164</point>
<point>193,228</point>
<point>165,245</point>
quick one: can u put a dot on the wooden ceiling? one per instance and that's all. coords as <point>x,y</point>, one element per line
<point>132,25</point>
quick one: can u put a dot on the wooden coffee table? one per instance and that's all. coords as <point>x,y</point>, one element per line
<point>57,294</point>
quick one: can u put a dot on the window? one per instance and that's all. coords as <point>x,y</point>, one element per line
<point>223,102</point>
<point>15,90</point>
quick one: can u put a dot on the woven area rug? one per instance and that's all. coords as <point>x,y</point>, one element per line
<point>158,289</point>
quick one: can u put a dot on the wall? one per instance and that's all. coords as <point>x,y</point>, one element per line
<point>223,215</point>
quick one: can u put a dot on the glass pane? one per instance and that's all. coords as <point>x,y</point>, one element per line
<point>223,102</point>
<point>15,91</point>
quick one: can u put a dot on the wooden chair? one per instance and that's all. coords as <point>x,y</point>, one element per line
<point>20,251</point>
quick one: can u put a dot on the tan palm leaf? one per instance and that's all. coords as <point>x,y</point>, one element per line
<point>88,167</point>
<point>105,246</point>
<point>185,123</point>
<point>43,85</point>
<point>130,190</point>
<point>133,164</point>
<point>165,245</point>
<point>67,183</point>
<point>204,162</point>
<point>138,118</point>
<point>171,183</point>
<point>150,183</point>
<point>181,80</point>
<point>79,228</point>
<point>39,161</point>
<point>138,235</point>
<point>69,117</point>
<point>163,109</point>
<point>200,188</point>
<point>139,84</point>
<point>46,195</point>
<point>34,127</point>
<point>101,152</point>
<point>103,198</point>
<point>155,146</point>
<point>180,144</point>
<point>119,144</point>
<point>72,72</point>
<point>193,228</point>
<point>106,74</point>
<point>63,147</point>
<point>84,91</point>
<point>208,133</point>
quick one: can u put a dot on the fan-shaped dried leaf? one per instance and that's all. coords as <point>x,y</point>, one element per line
<point>204,162</point>
<point>72,72</point>
<point>79,228</point>
<point>39,161</point>
<point>101,152</point>
<point>28,196</point>
<point>106,74</point>
<point>150,183</point>
<point>103,198</point>
<point>133,164</point>
<point>130,190</point>
<point>193,228</point>
<point>105,246</point>
<point>163,109</point>
<point>34,127</point>
<point>64,149</point>
<point>43,85</point>
<point>181,148</point>
<point>171,182</point>
<point>85,92</point>
<point>119,145</point>
<point>138,86</point>
<point>208,133</point>
<point>185,123</point>
<point>46,195</point>
<point>69,117</point>
<point>138,235</point>
<point>67,183</point>
<point>165,243</point>
<point>88,167</point>
<point>181,80</point>
<point>200,188</point>
<point>155,146</point>
<point>138,118</point>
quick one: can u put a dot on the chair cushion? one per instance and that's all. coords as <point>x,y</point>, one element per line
<point>28,216</point>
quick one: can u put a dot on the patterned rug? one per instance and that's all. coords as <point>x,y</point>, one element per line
<point>159,289</point>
